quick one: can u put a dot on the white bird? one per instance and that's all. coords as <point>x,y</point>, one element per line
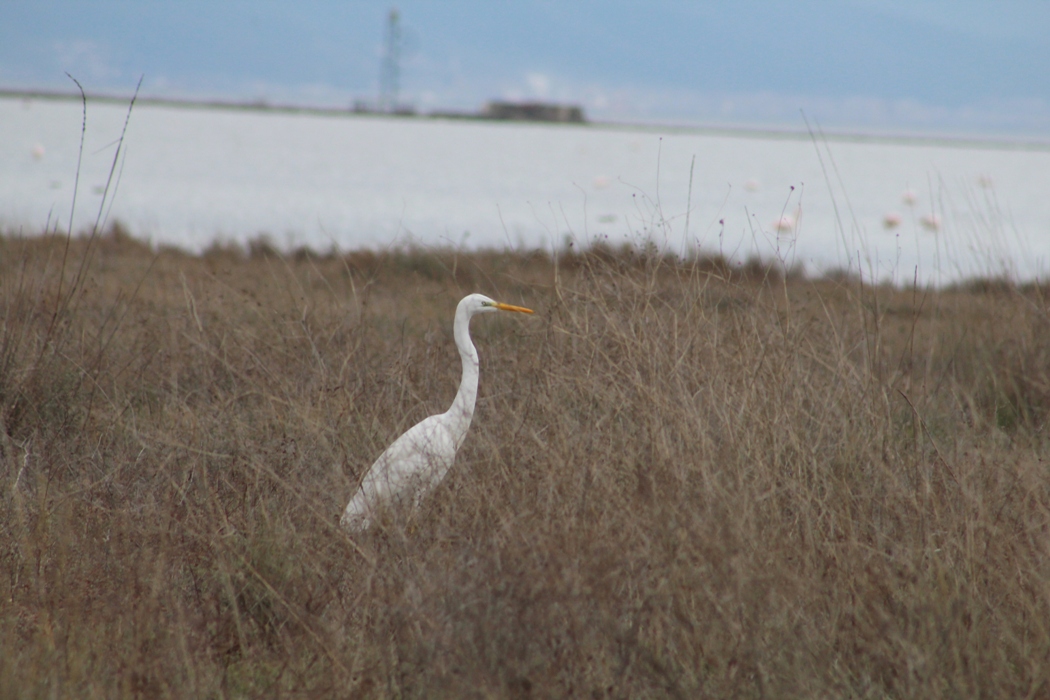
<point>418,460</point>
<point>930,222</point>
<point>784,224</point>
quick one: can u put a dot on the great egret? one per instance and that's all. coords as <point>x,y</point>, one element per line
<point>418,460</point>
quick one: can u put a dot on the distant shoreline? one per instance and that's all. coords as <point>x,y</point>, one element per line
<point>1000,143</point>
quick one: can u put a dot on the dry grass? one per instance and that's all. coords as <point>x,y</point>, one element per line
<point>680,482</point>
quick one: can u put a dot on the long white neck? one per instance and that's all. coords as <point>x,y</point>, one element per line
<point>462,410</point>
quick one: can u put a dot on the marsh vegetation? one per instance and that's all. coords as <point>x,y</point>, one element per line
<point>684,479</point>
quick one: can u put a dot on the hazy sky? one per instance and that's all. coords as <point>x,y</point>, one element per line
<point>888,65</point>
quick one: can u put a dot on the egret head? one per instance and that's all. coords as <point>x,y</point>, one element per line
<point>479,303</point>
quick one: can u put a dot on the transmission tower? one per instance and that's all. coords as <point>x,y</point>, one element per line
<point>390,70</point>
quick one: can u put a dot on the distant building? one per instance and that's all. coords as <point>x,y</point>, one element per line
<point>400,110</point>
<point>533,111</point>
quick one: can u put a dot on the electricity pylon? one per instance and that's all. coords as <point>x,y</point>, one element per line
<point>390,70</point>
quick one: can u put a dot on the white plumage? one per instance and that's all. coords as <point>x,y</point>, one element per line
<point>418,460</point>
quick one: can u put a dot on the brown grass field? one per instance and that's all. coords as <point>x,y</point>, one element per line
<point>683,479</point>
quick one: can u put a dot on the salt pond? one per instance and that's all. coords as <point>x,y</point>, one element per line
<point>192,176</point>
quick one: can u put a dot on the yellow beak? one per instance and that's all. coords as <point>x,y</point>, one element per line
<point>508,307</point>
